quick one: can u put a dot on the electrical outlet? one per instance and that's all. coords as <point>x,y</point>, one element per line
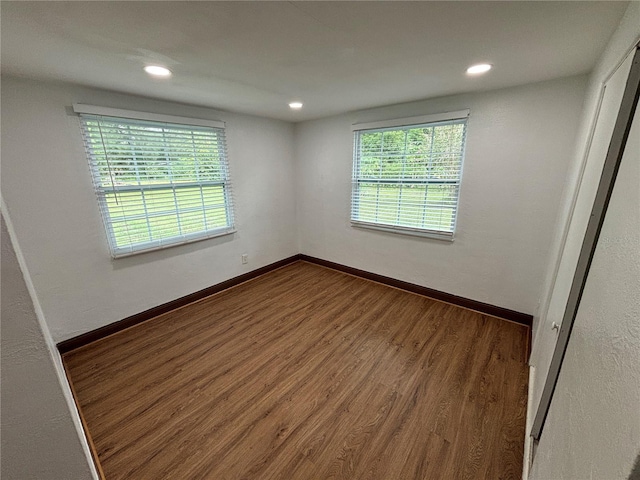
<point>245,258</point>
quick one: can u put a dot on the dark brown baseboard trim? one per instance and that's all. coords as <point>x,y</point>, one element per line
<point>481,307</point>
<point>86,338</point>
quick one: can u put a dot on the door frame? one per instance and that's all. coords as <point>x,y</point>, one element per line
<point>589,244</point>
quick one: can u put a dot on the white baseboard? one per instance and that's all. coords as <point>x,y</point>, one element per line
<point>528,439</point>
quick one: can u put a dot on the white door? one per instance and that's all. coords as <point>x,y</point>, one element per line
<point>546,336</point>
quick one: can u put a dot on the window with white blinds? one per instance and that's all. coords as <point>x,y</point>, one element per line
<point>406,174</point>
<point>158,183</point>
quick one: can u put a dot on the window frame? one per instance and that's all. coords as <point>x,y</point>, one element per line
<point>406,124</point>
<point>103,191</point>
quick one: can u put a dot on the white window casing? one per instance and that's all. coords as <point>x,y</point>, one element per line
<point>160,180</point>
<point>407,173</point>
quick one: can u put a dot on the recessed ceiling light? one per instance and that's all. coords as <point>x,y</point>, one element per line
<point>157,71</point>
<point>295,105</point>
<point>478,69</point>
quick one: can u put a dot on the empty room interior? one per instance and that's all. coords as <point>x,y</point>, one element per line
<point>311,240</point>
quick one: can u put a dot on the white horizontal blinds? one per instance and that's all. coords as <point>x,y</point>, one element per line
<point>158,183</point>
<point>408,178</point>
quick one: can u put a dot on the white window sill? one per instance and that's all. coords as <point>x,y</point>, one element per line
<point>153,246</point>
<point>448,237</point>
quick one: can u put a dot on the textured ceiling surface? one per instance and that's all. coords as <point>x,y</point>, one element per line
<point>256,57</point>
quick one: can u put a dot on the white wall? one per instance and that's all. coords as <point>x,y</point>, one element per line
<point>41,433</point>
<point>519,144</point>
<point>48,192</point>
<point>593,426</point>
<point>581,185</point>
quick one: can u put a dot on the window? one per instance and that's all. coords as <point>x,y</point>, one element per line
<point>160,180</point>
<point>406,174</point>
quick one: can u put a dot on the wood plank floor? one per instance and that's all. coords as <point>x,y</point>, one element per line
<point>308,373</point>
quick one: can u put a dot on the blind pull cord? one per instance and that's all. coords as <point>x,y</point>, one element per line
<point>106,155</point>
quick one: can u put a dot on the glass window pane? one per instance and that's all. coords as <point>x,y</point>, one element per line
<point>409,177</point>
<point>158,183</point>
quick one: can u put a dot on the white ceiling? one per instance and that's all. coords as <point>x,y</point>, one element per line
<point>256,57</point>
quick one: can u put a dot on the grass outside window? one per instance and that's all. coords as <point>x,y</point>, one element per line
<point>407,178</point>
<point>158,184</point>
